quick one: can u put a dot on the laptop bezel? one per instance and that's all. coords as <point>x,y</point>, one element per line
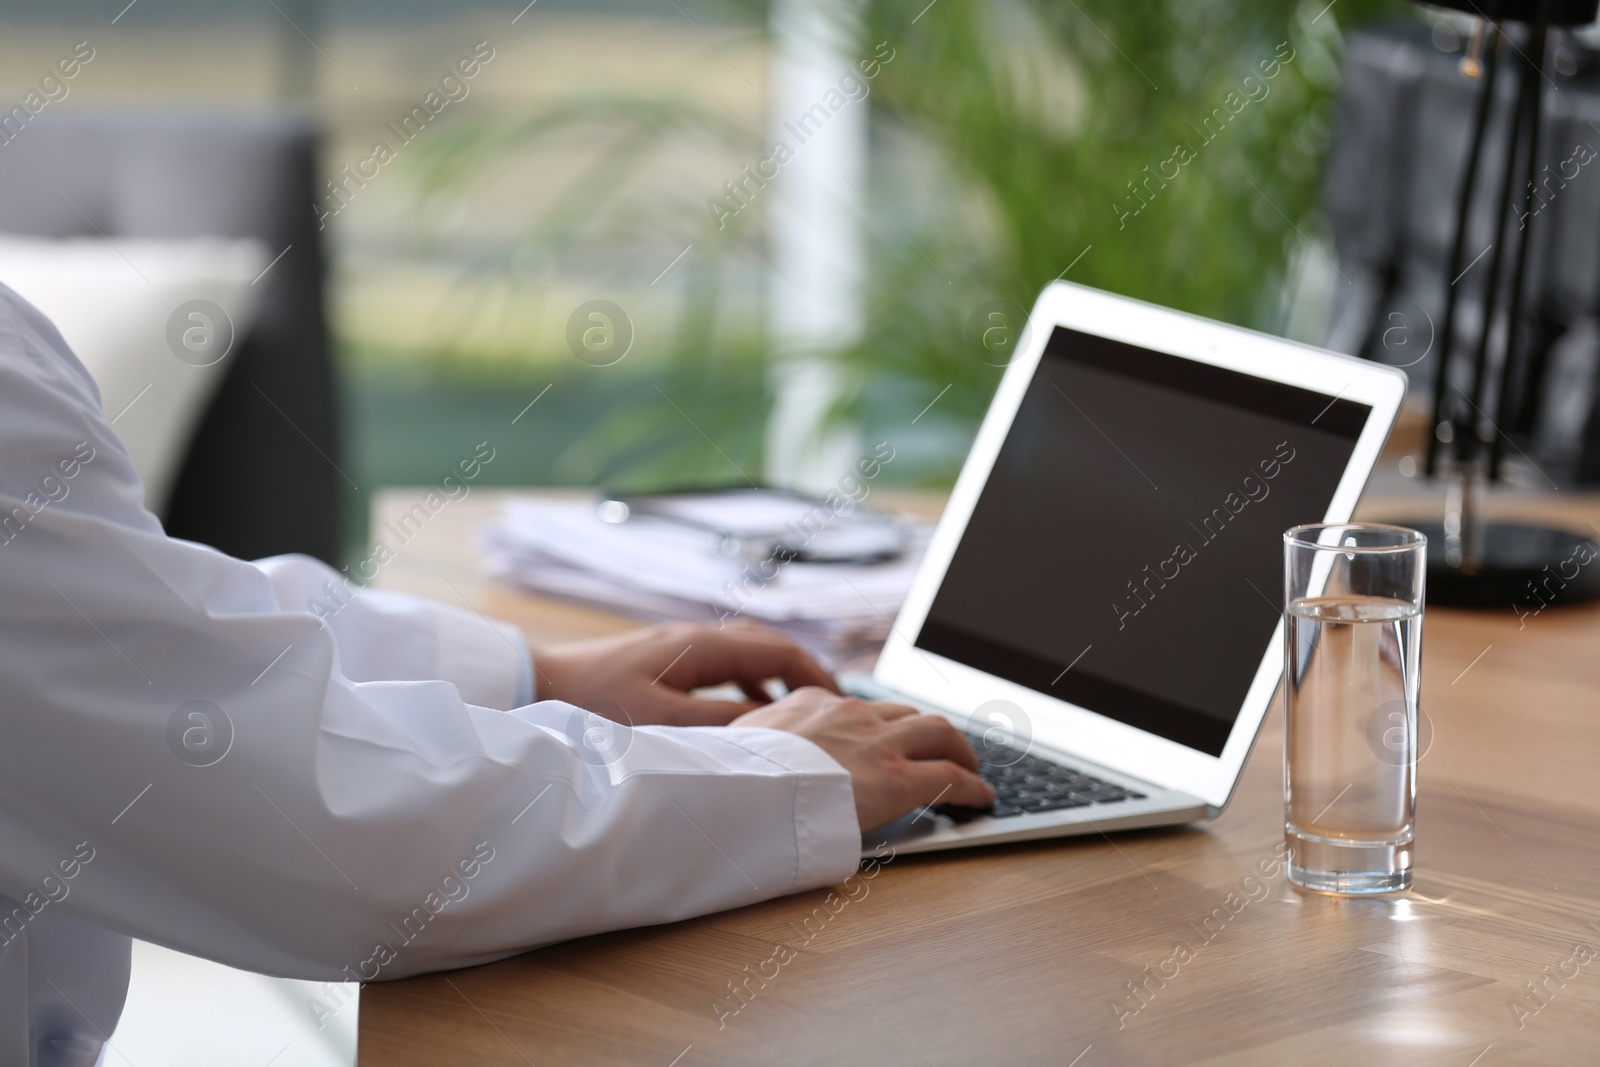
<point>959,689</point>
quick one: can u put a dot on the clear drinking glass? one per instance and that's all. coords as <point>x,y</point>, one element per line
<point>1352,646</point>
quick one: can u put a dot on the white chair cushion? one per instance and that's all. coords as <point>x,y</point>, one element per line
<point>120,305</point>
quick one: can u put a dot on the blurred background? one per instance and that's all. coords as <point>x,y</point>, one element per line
<point>998,146</point>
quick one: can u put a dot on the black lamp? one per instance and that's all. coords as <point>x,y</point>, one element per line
<point>1474,563</point>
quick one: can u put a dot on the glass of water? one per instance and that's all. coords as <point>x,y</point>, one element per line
<point>1352,646</point>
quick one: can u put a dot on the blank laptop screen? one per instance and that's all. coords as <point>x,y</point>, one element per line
<point>1126,553</point>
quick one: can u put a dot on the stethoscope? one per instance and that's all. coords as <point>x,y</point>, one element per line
<point>860,536</point>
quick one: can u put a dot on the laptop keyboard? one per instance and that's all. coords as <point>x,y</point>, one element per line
<point>1025,784</point>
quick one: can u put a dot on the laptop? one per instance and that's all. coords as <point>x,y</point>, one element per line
<point>1099,607</point>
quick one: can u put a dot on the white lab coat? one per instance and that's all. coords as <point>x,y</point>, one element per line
<point>378,812</point>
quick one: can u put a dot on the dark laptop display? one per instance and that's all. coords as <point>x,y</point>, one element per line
<point>1125,554</point>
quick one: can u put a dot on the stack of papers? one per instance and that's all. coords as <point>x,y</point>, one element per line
<point>656,569</point>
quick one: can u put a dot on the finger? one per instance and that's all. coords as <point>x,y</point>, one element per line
<point>943,782</point>
<point>681,709</point>
<point>929,737</point>
<point>756,691</point>
<point>889,712</point>
<point>744,655</point>
<point>764,654</point>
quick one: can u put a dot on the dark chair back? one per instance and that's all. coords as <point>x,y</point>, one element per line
<point>258,478</point>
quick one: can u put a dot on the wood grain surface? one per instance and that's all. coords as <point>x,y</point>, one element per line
<point>1177,946</point>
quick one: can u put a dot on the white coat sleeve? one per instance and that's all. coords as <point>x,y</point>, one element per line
<point>258,784</point>
<point>385,636</point>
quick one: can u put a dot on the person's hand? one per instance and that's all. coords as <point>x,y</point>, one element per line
<point>898,759</point>
<point>648,674</point>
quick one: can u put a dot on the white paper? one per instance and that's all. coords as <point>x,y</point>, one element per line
<point>658,569</point>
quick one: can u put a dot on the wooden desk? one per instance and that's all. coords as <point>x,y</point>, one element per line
<point>1023,954</point>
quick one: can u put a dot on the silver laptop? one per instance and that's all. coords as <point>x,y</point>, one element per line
<point>1099,608</point>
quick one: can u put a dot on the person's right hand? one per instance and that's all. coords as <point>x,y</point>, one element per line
<point>898,758</point>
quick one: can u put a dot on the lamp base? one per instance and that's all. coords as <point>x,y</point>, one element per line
<point>1523,568</point>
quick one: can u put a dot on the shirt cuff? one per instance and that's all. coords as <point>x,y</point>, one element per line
<point>827,833</point>
<point>487,661</point>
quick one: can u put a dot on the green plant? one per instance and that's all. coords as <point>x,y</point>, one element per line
<point>696,414</point>
<point>1075,135</point>
<point>1168,152</point>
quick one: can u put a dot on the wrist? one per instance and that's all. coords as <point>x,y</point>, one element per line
<point>548,673</point>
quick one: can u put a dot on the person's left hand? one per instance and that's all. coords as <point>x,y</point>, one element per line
<point>649,673</point>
